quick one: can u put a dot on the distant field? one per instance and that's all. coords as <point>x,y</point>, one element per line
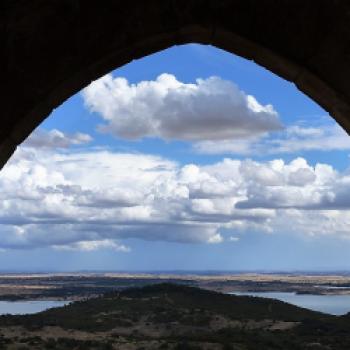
<point>76,286</point>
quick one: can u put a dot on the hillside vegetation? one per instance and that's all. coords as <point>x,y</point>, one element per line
<point>168,316</point>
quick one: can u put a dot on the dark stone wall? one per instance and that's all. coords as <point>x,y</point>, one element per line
<point>50,49</point>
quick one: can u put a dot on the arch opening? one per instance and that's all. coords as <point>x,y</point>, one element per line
<point>163,116</point>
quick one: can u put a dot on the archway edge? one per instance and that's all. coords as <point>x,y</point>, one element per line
<point>213,32</point>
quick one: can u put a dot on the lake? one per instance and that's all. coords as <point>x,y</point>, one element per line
<point>28,306</point>
<point>331,304</point>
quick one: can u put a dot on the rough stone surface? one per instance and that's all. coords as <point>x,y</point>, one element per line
<point>50,49</point>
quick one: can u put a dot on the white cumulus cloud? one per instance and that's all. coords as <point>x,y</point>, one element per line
<point>293,139</point>
<point>89,246</point>
<point>209,109</point>
<point>41,138</point>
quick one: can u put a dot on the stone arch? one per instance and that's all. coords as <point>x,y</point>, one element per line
<point>55,48</point>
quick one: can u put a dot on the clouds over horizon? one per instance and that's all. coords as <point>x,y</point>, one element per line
<point>94,199</point>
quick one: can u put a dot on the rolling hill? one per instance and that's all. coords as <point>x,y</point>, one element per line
<point>169,316</point>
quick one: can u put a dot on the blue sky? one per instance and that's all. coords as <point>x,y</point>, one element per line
<point>191,158</point>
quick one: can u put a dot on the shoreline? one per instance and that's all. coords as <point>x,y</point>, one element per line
<point>79,286</point>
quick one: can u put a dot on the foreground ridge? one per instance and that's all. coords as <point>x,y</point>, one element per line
<point>170,316</point>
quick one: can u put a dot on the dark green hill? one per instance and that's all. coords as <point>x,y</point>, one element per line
<point>161,303</point>
<point>169,316</point>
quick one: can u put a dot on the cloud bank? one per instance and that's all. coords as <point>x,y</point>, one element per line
<point>98,199</point>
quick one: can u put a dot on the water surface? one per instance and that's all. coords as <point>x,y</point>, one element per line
<point>22,307</point>
<point>330,304</point>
